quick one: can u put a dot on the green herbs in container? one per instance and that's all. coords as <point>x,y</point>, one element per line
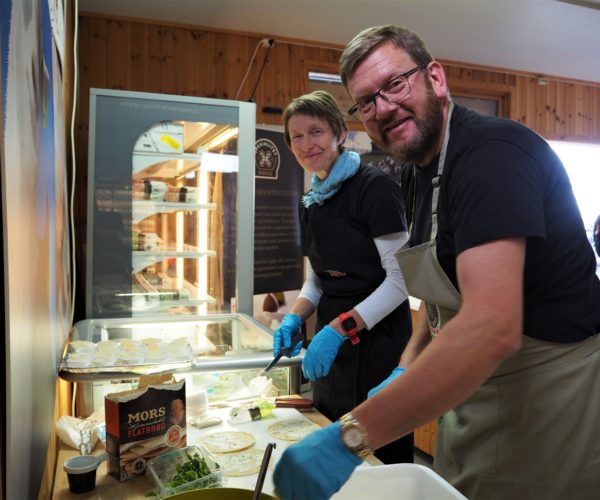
<point>185,469</point>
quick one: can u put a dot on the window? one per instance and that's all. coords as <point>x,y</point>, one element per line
<point>582,162</point>
<point>482,106</point>
<point>332,84</point>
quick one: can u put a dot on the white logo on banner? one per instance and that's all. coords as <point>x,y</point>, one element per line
<point>268,159</point>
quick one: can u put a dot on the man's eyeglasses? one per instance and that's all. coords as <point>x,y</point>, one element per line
<point>395,90</point>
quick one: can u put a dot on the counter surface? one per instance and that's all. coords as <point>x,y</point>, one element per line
<point>108,487</point>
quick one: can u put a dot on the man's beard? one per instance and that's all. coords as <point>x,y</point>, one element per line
<point>428,132</point>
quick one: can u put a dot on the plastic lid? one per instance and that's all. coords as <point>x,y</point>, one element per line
<point>81,464</point>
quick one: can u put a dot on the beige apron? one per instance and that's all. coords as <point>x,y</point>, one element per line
<point>532,430</point>
<point>423,275</point>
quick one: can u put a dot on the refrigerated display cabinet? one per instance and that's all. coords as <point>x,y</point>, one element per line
<point>170,205</point>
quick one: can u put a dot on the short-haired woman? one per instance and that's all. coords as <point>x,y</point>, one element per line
<point>352,222</point>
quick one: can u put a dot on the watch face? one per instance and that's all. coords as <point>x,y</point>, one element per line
<point>349,323</point>
<point>353,437</point>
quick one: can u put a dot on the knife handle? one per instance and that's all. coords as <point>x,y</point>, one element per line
<point>298,403</point>
<point>287,351</point>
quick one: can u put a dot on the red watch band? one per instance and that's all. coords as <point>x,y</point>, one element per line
<point>348,324</point>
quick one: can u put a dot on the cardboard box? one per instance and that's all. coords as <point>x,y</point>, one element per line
<point>144,423</point>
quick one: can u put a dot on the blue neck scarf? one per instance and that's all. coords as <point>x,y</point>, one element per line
<point>344,168</point>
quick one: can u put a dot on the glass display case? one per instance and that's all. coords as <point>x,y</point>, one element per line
<point>170,205</point>
<point>220,354</point>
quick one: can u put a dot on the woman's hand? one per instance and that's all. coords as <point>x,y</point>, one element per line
<point>321,352</point>
<point>282,337</point>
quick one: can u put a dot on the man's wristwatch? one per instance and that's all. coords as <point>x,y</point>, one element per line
<point>348,324</point>
<point>354,436</point>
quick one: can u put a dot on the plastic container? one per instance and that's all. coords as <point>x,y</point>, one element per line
<point>163,468</point>
<point>397,482</point>
<point>81,472</point>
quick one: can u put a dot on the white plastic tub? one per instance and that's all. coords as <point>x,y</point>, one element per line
<point>397,482</point>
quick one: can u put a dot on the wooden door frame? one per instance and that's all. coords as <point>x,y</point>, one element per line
<point>502,94</point>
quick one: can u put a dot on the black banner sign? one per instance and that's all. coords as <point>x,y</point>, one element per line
<point>279,185</point>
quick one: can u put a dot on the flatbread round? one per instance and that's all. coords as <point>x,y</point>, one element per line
<point>227,441</point>
<point>241,463</point>
<point>292,430</point>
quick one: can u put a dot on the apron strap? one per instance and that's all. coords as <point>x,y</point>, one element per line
<point>435,182</point>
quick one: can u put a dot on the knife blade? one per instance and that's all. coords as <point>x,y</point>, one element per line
<point>285,351</point>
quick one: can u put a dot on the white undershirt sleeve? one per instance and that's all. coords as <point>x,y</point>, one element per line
<point>392,291</point>
<point>311,289</point>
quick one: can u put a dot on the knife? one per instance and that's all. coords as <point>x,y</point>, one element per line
<point>285,351</point>
<point>263,471</point>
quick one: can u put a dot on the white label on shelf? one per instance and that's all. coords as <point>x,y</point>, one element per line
<point>212,162</point>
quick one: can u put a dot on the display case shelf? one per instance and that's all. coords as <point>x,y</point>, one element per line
<point>142,209</point>
<point>162,306</point>
<point>141,259</point>
<point>156,298</point>
<point>164,166</point>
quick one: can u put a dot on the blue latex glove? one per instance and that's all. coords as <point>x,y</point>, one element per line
<point>315,467</point>
<point>282,337</point>
<point>321,352</point>
<point>395,372</point>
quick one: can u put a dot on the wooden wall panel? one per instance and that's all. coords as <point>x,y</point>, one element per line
<point>150,57</point>
<point>528,105</point>
<point>137,76</point>
<point>151,64</point>
<point>266,89</point>
<point>173,59</point>
<point>117,68</point>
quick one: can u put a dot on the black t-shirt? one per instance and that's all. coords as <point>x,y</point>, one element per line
<point>338,235</point>
<point>502,180</point>
<point>597,235</point>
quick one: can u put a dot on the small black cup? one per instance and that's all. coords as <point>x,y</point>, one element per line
<point>81,472</point>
